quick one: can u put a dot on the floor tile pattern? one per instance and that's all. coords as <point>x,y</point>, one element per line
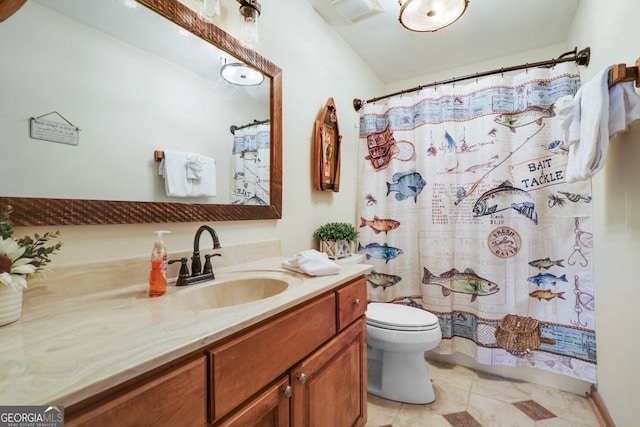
<point>534,410</point>
<point>461,419</point>
<point>466,398</point>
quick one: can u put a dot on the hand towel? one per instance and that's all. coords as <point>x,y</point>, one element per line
<point>188,174</point>
<point>205,170</point>
<point>173,167</point>
<point>594,116</point>
<point>313,263</point>
<point>195,164</point>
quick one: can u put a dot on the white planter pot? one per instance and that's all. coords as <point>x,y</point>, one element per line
<point>336,250</point>
<point>10,304</point>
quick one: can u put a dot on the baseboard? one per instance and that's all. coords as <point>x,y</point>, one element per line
<point>599,408</point>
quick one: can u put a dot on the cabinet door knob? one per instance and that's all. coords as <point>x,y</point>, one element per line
<point>302,378</point>
<point>357,302</point>
<point>287,391</point>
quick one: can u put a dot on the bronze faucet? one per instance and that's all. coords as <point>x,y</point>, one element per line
<point>197,275</point>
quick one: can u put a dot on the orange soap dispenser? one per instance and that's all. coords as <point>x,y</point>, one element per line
<point>157,277</point>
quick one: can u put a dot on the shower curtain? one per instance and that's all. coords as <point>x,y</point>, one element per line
<point>465,212</point>
<point>251,159</point>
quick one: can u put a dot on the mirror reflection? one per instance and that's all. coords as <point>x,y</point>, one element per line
<point>130,90</point>
<point>131,82</point>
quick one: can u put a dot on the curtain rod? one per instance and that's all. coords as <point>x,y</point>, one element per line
<point>581,58</point>
<point>234,128</point>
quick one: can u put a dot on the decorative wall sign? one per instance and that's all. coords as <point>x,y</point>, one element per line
<point>327,163</point>
<point>48,130</point>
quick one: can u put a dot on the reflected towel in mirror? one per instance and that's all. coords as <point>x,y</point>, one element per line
<point>188,174</point>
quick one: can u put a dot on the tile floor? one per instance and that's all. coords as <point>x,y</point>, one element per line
<point>466,398</point>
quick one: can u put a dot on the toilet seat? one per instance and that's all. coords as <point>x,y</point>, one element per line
<point>399,317</point>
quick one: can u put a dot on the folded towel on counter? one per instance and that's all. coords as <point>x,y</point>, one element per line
<point>594,116</point>
<point>313,263</point>
<point>188,174</point>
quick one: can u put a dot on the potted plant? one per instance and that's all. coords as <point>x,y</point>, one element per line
<point>19,258</point>
<point>336,239</point>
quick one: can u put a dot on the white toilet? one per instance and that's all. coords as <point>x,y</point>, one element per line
<point>397,337</point>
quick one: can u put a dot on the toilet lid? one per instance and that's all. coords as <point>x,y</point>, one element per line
<point>400,317</point>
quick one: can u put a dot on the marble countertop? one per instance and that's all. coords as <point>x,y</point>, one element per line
<point>66,348</point>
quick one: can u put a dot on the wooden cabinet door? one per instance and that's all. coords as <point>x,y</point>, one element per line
<point>245,365</point>
<point>269,409</point>
<point>175,398</point>
<point>330,386</point>
<point>352,302</point>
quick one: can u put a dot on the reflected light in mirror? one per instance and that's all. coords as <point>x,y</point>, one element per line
<point>240,74</point>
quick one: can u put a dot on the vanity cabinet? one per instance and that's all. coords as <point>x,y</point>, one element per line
<point>246,364</point>
<point>310,363</point>
<point>303,367</point>
<point>174,397</point>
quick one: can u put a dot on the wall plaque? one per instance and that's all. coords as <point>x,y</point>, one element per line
<point>54,131</point>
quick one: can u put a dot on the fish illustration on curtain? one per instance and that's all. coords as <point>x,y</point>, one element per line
<point>493,240</point>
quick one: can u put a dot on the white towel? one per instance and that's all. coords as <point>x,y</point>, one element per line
<point>173,169</point>
<point>188,174</point>
<point>594,116</point>
<point>313,263</point>
<point>195,164</point>
<point>205,169</point>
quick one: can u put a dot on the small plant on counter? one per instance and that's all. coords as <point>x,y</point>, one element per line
<point>336,231</point>
<point>336,239</point>
<point>19,258</point>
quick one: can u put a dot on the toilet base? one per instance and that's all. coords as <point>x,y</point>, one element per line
<point>403,377</point>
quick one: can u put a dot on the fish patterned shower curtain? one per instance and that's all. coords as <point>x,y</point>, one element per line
<point>465,212</point>
<point>251,160</point>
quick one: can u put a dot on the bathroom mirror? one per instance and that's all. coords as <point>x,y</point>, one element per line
<point>48,209</point>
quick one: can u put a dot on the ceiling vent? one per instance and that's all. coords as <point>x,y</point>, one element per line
<point>357,10</point>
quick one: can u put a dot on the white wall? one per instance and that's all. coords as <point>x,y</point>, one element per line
<point>613,32</point>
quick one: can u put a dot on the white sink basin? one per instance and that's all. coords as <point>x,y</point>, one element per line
<point>226,293</point>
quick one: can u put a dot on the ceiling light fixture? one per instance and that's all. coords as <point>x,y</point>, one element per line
<point>249,11</point>
<point>239,73</point>
<point>430,15</point>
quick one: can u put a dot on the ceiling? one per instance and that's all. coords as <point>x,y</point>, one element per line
<point>488,29</point>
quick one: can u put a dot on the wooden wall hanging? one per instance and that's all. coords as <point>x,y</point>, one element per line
<point>327,152</point>
<point>9,7</point>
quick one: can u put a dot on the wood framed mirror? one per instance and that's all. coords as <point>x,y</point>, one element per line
<point>35,211</point>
